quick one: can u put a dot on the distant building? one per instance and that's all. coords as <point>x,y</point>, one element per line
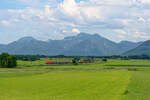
<point>50,62</point>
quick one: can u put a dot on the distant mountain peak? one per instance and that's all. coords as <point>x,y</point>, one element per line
<point>77,36</point>
<point>124,41</point>
<point>96,35</point>
<point>83,34</point>
<point>28,38</point>
<point>87,34</point>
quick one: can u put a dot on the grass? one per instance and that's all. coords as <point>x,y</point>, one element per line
<point>104,85</point>
<point>139,87</point>
<point>128,63</point>
<point>112,80</point>
<point>18,74</point>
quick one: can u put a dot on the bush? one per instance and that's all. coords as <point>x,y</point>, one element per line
<point>7,61</point>
<point>75,61</point>
<point>105,60</point>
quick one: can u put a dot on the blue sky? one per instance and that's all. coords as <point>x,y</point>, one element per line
<point>55,19</point>
<point>15,4</point>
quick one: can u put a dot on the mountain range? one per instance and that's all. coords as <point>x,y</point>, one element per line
<point>82,44</point>
<point>143,49</point>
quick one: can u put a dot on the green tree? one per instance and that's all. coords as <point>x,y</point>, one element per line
<point>75,61</point>
<point>12,62</point>
<point>7,61</point>
<point>4,59</point>
<point>104,59</point>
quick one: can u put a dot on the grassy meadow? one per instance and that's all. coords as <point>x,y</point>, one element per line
<point>111,80</point>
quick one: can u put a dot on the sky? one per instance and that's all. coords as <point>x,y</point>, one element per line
<point>116,20</point>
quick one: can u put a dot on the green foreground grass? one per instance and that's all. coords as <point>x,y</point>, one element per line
<point>99,81</point>
<point>105,85</point>
<point>139,87</point>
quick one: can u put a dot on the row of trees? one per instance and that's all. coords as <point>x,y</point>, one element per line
<point>127,57</point>
<point>29,57</point>
<point>37,57</point>
<point>7,61</point>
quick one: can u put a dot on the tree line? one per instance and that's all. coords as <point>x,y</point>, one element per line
<point>37,57</point>
<point>147,57</point>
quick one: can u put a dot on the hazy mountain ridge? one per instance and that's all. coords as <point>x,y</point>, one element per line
<point>143,49</point>
<point>81,45</point>
<point>127,45</point>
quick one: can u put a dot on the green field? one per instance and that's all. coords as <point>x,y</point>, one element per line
<point>139,87</point>
<point>112,80</point>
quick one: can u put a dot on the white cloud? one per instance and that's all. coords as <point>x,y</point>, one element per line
<point>75,30</point>
<point>142,20</point>
<point>5,23</point>
<point>64,31</point>
<point>47,10</point>
<point>121,37</point>
<point>82,12</point>
<point>141,35</point>
<point>70,7</point>
<point>145,1</point>
<point>120,31</point>
<point>116,17</point>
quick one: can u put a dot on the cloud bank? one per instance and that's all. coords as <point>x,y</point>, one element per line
<point>51,19</point>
